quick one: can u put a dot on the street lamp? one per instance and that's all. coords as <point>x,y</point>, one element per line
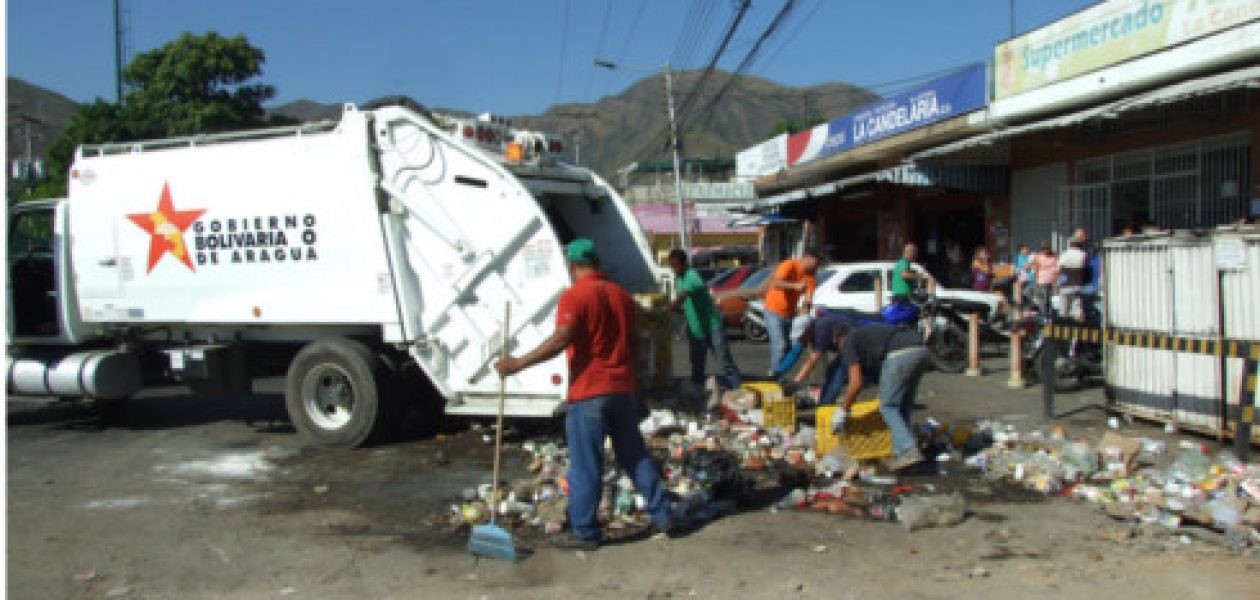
<point>683,241</point>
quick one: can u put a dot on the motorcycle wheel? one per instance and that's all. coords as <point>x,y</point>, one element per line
<point>1065,380</point>
<point>948,349</point>
<point>755,331</point>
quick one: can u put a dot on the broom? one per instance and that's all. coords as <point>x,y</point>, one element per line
<point>490,540</point>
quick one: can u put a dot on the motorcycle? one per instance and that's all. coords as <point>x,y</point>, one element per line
<point>754,323</point>
<point>944,332</point>
<point>1076,360</point>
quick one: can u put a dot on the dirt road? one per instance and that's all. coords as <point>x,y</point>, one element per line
<point>180,497</point>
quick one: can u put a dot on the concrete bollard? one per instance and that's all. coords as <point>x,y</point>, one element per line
<point>1016,379</point>
<point>879,294</point>
<point>973,346</point>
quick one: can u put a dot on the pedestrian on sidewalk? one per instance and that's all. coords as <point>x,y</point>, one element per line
<point>704,324</point>
<point>1045,268</point>
<point>791,290</point>
<point>894,356</point>
<point>1073,278</point>
<point>595,322</point>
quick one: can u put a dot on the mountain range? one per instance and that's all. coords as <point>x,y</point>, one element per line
<point>608,134</point>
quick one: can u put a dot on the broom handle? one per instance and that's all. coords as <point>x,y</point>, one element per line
<point>498,429</point>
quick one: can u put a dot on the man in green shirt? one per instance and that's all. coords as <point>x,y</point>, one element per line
<point>704,323</point>
<point>902,273</point>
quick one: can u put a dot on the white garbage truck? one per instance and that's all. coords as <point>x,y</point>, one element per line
<point>367,260</point>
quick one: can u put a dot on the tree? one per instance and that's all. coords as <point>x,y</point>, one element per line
<point>195,84</point>
<point>790,126</point>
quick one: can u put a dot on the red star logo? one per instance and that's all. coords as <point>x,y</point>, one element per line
<point>166,226</point>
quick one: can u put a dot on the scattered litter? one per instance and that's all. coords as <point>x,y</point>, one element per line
<point>86,576</point>
<point>1197,487</point>
<point>118,592</point>
<point>117,503</point>
<point>920,512</point>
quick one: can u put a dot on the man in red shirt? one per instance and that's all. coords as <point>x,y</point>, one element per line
<point>595,321</point>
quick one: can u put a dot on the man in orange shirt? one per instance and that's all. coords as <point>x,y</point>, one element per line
<point>791,289</point>
<point>595,321</point>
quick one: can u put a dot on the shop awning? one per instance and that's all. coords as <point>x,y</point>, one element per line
<point>985,178</point>
<point>1241,78</point>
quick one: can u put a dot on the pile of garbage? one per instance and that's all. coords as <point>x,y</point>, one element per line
<point>712,466</point>
<point>1191,486</point>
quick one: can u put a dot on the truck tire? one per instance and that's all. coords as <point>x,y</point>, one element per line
<point>340,394</point>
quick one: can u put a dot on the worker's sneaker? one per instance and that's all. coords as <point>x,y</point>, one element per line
<point>567,541</point>
<point>906,459</point>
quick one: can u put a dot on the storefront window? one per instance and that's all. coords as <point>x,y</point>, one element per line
<point>1189,185</point>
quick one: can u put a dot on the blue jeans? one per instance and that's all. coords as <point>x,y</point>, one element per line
<point>789,360</point>
<point>716,341</point>
<point>586,425</point>
<point>778,329</point>
<point>836,381</point>
<point>898,385</point>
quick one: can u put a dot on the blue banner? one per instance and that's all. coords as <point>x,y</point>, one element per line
<point>955,94</point>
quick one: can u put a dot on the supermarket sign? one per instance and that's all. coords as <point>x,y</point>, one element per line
<point>1106,34</point>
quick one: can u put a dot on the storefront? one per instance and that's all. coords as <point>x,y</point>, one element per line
<point>847,176</point>
<point>1125,116</point>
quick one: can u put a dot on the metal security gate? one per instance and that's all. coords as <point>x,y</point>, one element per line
<point>1087,206</point>
<point>1194,185</point>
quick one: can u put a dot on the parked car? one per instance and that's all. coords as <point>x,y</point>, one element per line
<point>748,313</point>
<point>851,286</point>
<point>733,307</point>
<point>730,278</point>
<point>708,273</point>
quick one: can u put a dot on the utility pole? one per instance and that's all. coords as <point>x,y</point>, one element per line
<point>118,44</point>
<point>683,236</point>
<point>1012,19</point>
<point>578,132</point>
<point>683,241</point>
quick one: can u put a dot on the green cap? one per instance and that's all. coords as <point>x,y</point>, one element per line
<point>582,251</point>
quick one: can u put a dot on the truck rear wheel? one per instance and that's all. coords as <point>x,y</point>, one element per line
<point>339,394</point>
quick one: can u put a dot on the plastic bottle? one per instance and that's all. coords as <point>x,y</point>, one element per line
<point>1224,514</point>
<point>1191,465</point>
<point>1231,463</point>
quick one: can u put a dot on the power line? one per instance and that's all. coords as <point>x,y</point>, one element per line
<point>599,49</point>
<point>788,6</point>
<point>663,134</point>
<point>800,26</point>
<point>625,44</point>
<point>564,51</point>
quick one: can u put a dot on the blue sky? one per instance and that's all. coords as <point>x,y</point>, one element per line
<point>517,57</point>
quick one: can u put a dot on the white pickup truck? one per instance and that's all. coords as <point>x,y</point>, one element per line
<point>851,286</point>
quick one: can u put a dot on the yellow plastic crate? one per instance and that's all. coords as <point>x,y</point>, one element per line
<point>865,435</point>
<point>776,411</point>
<point>780,413</point>
<point>766,391</point>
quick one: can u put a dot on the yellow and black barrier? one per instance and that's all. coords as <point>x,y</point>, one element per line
<point>1247,350</point>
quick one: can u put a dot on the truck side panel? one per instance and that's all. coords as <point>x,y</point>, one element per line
<point>276,230</point>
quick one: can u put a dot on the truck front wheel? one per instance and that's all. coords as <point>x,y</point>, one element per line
<point>339,393</point>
